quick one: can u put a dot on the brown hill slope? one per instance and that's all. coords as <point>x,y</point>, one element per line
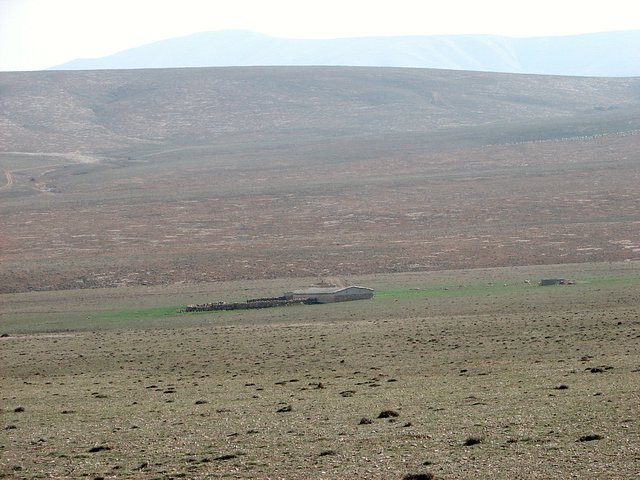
<point>116,177</point>
<point>100,111</point>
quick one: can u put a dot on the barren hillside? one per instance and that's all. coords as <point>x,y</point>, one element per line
<point>161,176</point>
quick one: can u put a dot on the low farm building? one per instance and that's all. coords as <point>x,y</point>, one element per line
<point>331,294</point>
<point>555,281</point>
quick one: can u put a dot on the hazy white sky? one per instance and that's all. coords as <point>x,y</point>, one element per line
<point>36,34</point>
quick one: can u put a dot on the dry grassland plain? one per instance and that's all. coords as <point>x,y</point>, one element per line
<point>127,195</point>
<point>104,385</point>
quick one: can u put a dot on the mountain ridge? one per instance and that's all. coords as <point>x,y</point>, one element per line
<point>614,54</point>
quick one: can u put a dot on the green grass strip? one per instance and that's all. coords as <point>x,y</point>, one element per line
<point>442,291</point>
<point>132,315</point>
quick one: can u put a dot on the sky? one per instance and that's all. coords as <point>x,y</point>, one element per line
<point>37,34</point>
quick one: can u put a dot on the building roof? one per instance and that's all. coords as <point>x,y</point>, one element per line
<point>326,290</point>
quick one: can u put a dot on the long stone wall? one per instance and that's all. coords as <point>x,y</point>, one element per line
<point>249,304</point>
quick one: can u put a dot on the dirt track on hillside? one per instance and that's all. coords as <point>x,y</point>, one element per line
<point>9,180</point>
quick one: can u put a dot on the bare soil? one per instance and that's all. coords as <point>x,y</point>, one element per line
<point>190,220</point>
<point>488,376</point>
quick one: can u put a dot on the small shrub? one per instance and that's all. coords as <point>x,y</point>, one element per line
<point>388,414</point>
<point>365,421</point>
<point>99,448</point>
<point>590,438</point>
<point>226,457</point>
<point>472,441</point>
<point>419,476</point>
<point>324,453</point>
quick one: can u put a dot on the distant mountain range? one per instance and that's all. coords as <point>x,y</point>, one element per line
<point>611,54</point>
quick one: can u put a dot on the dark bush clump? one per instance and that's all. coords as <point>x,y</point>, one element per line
<point>590,438</point>
<point>472,441</point>
<point>226,457</point>
<point>328,452</point>
<point>419,476</point>
<point>99,448</point>
<point>388,414</point>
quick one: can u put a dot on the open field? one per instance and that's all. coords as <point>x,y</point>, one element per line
<point>116,383</point>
